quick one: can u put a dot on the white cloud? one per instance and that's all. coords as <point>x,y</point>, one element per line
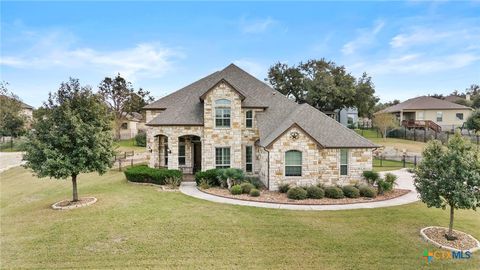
<point>364,38</point>
<point>57,49</point>
<point>253,26</point>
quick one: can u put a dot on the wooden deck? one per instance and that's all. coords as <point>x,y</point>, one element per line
<point>421,124</point>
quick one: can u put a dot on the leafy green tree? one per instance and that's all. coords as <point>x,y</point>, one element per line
<point>324,85</point>
<point>122,99</point>
<point>449,176</point>
<point>71,135</point>
<point>476,101</point>
<point>473,122</point>
<point>12,120</point>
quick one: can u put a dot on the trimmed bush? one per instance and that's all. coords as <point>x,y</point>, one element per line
<point>255,181</point>
<point>283,188</point>
<point>145,174</point>
<point>246,187</point>
<point>314,192</point>
<point>351,191</point>
<point>371,176</point>
<point>211,176</point>
<point>334,193</point>
<point>368,192</point>
<point>236,190</point>
<point>297,193</point>
<point>141,139</point>
<point>254,192</point>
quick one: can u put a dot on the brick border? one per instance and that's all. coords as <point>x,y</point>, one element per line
<point>426,238</point>
<point>69,207</point>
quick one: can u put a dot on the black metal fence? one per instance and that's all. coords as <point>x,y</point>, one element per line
<point>395,161</point>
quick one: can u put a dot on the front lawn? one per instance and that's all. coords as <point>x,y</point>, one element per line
<point>135,226</point>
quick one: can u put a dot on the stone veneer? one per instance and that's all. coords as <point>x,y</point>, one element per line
<point>318,165</point>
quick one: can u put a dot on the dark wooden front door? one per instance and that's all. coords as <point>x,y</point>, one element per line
<point>197,157</point>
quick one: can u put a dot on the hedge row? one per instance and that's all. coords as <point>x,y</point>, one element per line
<point>145,174</point>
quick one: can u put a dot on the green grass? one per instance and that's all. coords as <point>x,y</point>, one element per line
<point>128,146</point>
<point>400,144</point>
<point>389,165</point>
<point>135,226</point>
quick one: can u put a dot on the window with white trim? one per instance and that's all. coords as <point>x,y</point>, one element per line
<point>420,116</point>
<point>222,113</point>
<point>459,116</point>
<point>439,116</point>
<point>343,161</point>
<point>248,158</point>
<point>249,119</point>
<point>222,157</point>
<point>293,163</point>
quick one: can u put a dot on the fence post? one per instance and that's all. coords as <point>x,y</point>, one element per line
<point>119,165</point>
<point>415,161</point>
<point>425,135</point>
<point>404,161</point>
<point>131,162</point>
<point>448,136</point>
<point>477,139</point>
<point>381,161</point>
<point>125,155</point>
<point>405,134</point>
<point>414,134</point>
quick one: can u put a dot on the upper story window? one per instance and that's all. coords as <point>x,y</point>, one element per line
<point>293,163</point>
<point>343,161</point>
<point>459,116</point>
<point>222,113</point>
<point>249,119</point>
<point>439,116</point>
<point>124,126</point>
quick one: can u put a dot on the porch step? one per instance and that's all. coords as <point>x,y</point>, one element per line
<point>188,178</point>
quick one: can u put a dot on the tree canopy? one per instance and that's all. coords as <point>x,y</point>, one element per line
<point>473,122</point>
<point>449,176</point>
<point>122,99</point>
<point>71,135</point>
<point>12,120</point>
<point>324,85</point>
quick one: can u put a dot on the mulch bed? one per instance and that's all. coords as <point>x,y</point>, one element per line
<point>277,197</point>
<point>463,241</point>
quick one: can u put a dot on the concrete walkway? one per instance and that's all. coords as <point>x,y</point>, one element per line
<point>10,159</point>
<point>405,181</point>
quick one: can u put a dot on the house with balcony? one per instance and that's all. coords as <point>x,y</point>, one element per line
<point>230,119</point>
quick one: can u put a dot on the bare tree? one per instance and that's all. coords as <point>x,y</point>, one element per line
<point>384,121</point>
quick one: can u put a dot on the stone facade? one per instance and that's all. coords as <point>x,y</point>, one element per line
<point>319,165</point>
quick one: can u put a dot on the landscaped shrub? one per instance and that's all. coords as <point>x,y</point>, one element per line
<point>145,174</point>
<point>236,190</point>
<point>314,192</point>
<point>204,184</point>
<point>246,187</point>
<point>230,176</point>
<point>368,192</point>
<point>254,192</point>
<point>283,188</point>
<point>297,193</point>
<point>351,191</point>
<point>371,176</point>
<point>391,179</point>
<point>334,193</point>
<point>173,182</point>
<point>141,139</point>
<point>254,181</point>
<point>211,176</point>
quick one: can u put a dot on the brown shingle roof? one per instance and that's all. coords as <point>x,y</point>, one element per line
<point>184,107</point>
<point>424,103</point>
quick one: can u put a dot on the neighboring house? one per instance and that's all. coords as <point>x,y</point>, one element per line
<point>27,110</point>
<point>346,116</point>
<point>433,113</point>
<point>131,125</point>
<point>230,119</point>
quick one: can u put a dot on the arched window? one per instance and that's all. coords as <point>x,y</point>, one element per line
<point>293,163</point>
<point>222,113</point>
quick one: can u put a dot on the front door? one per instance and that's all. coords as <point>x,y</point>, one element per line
<point>197,157</point>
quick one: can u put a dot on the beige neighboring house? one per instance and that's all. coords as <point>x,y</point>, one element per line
<point>230,119</point>
<point>433,113</point>
<point>27,110</point>
<point>131,125</point>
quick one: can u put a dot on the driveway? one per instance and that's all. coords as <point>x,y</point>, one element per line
<point>405,181</point>
<point>10,159</point>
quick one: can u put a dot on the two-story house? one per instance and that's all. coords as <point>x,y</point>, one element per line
<point>231,119</point>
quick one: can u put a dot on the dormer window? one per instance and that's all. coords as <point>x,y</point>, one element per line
<point>222,113</point>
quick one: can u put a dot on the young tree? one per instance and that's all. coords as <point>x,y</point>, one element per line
<point>122,99</point>
<point>71,135</point>
<point>12,120</point>
<point>449,176</point>
<point>324,85</point>
<point>473,122</point>
<point>384,121</point>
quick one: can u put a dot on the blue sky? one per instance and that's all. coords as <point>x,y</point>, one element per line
<point>409,48</point>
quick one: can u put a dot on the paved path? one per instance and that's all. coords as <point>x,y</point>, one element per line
<point>9,160</point>
<point>405,181</point>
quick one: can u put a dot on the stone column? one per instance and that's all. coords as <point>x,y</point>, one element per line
<point>173,152</point>
<point>153,145</point>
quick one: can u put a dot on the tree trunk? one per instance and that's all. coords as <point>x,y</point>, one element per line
<point>74,185</point>
<point>450,226</point>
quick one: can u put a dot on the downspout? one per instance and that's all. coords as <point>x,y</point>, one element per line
<point>268,167</point>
